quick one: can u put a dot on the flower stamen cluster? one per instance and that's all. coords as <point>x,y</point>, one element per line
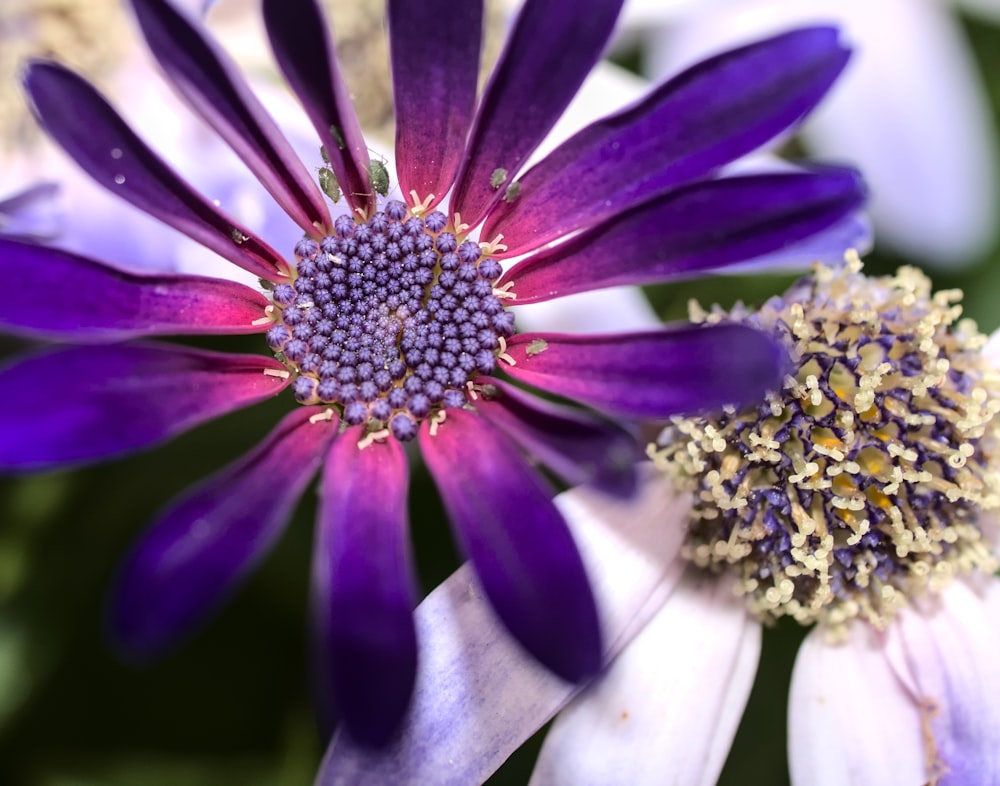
<point>859,483</point>
<point>389,319</point>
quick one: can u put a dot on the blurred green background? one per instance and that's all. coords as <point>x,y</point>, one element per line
<point>232,706</point>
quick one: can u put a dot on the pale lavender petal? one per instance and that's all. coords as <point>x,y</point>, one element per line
<point>707,116</point>
<point>551,48</point>
<point>698,228</point>
<point>206,543</point>
<point>479,696</point>
<point>525,558</point>
<point>363,589</point>
<point>94,135</point>
<point>435,64</point>
<point>305,53</point>
<point>847,688</point>
<point>655,374</point>
<point>619,309</point>
<point>945,652</point>
<point>31,213</point>
<point>575,444</point>
<point>670,703</point>
<point>79,404</point>
<point>206,77</point>
<point>79,299</point>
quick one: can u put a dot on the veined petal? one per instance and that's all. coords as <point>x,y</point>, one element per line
<point>208,541</point>
<point>578,446</point>
<point>709,115</point>
<point>478,695</point>
<point>80,404</point>
<point>849,689</point>
<point>80,299</point>
<point>93,134</point>
<point>207,79</point>
<point>550,50</point>
<point>653,374</point>
<point>698,228</point>
<point>435,63</point>
<point>669,703</point>
<point>524,555</point>
<point>305,54</point>
<point>946,656</point>
<point>363,588</point>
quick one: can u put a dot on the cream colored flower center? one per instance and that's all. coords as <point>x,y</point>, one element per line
<point>860,482</point>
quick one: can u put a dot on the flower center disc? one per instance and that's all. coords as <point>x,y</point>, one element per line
<point>389,319</point>
<point>861,482</point>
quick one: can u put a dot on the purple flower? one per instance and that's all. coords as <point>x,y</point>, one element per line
<point>389,321</point>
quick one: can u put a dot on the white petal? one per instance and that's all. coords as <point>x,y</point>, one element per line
<point>668,709</point>
<point>850,721</point>
<point>910,112</point>
<point>948,658</point>
<point>478,696</point>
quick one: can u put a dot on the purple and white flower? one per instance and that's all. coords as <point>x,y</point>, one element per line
<point>388,322</point>
<point>861,497</point>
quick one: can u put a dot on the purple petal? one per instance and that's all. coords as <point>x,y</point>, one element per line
<point>551,49</point>
<point>522,551</point>
<point>206,77</point>
<point>94,135</point>
<point>578,446</point>
<point>208,541</point>
<point>701,227</point>
<point>363,588</point>
<point>30,213</point>
<point>709,115</point>
<point>80,404</point>
<point>79,299</point>
<point>655,374</point>
<point>478,695</point>
<point>305,54</point>
<point>435,63</point>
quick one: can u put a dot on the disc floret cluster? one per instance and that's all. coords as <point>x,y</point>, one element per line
<point>859,484</point>
<point>389,319</point>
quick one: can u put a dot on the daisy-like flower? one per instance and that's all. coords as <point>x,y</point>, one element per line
<point>860,498</point>
<point>389,324</point>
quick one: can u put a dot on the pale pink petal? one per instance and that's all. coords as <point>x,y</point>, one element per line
<point>667,710</point>
<point>850,720</point>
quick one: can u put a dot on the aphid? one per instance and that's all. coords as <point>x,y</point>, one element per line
<point>338,137</point>
<point>379,176</point>
<point>498,178</point>
<point>328,183</point>
<point>513,192</point>
<point>536,347</point>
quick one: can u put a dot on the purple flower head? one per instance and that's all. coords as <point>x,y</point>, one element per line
<point>388,321</point>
